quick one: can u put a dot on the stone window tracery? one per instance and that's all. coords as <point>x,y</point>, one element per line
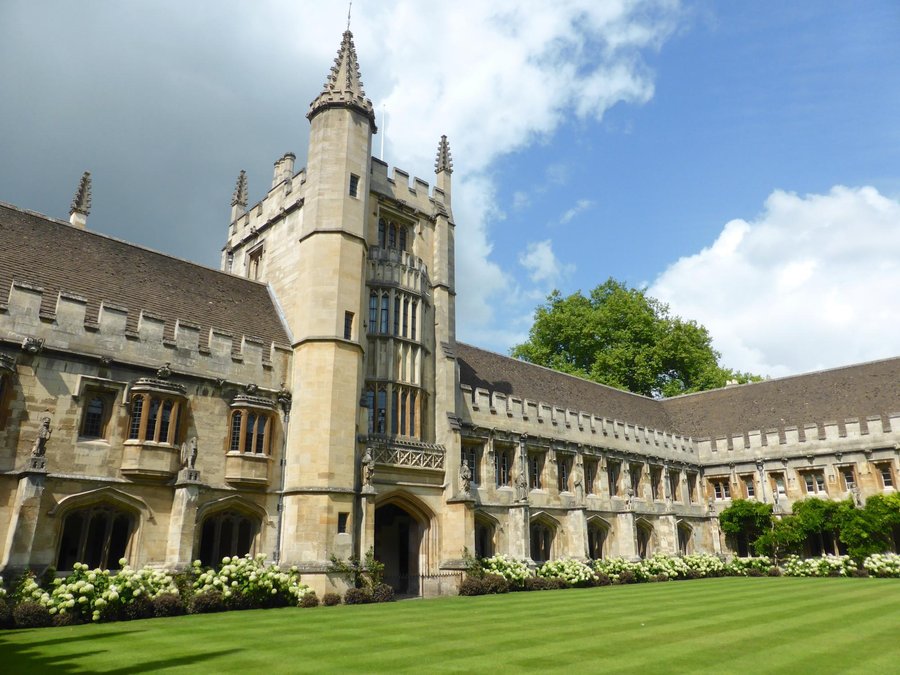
<point>227,533</point>
<point>96,414</point>
<point>564,470</point>
<point>590,476</point>
<point>252,425</point>
<point>502,463</point>
<point>597,537</point>
<point>97,536</point>
<point>612,476</point>
<point>536,470</point>
<point>542,535</point>
<point>721,488</point>
<point>156,409</point>
<point>401,417</point>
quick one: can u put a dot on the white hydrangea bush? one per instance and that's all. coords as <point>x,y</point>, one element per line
<point>749,566</point>
<point>573,572</point>
<point>823,566</point>
<point>614,568</point>
<point>514,571</point>
<point>252,579</point>
<point>99,594</point>
<point>883,565</point>
<point>703,565</point>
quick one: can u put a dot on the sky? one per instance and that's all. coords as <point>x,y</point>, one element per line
<point>741,161</point>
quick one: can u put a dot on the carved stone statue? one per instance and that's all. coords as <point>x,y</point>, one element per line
<point>629,498</point>
<point>521,487</point>
<point>39,447</point>
<point>368,467</point>
<point>857,497</point>
<point>578,482</point>
<point>465,477</point>
<point>189,453</point>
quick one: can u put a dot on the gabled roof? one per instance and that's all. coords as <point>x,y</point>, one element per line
<point>864,390</point>
<point>57,257</point>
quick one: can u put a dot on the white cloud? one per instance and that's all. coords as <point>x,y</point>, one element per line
<point>811,283</point>
<point>580,206</point>
<point>521,200</point>
<point>542,264</point>
<point>497,77</point>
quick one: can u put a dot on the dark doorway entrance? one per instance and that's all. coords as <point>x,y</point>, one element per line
<point>398,541</point>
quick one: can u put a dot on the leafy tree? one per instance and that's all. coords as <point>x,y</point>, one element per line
<point>621,337</point>
<point>784,537</point>
<point>744,521</point>
<point>818,520</point>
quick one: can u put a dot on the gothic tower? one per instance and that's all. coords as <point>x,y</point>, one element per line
<point>321,296</point>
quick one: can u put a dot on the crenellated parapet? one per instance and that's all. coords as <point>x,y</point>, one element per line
<point>492,409</point>
<point>67,323</point>
<point>416,195</point>
<point>811,438</point>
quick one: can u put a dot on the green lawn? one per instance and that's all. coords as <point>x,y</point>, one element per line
<point>729,625</point>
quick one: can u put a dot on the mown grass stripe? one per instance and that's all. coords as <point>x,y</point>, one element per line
<point>722,625</point>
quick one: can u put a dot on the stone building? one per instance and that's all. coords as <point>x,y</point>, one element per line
<point>310,398</point>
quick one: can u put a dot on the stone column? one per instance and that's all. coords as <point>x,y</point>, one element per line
<point>26,510</point>
<point>626,543</point>
<point>182,523</point>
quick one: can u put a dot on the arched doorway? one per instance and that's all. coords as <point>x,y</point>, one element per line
<point>401,532</point>
<point>542,535</point>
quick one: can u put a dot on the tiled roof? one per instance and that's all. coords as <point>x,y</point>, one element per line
<point>58,257</point>
<point>863,390</point>
<point>480,368</point>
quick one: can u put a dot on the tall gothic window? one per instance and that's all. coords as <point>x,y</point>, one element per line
<point>373,313</point>
<point>96,415</point>
<point>251,432</point>
<point>597,535</point>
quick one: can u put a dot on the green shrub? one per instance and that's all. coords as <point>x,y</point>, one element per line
<point>6,618</point>
<point>309,600</point>
<point>357,596</point>
<point>168,604</point>
<point>472,586</point>
<point>207,602</point>
<point>331,599</point>
<point>30,614</point>
<point>383,593</point>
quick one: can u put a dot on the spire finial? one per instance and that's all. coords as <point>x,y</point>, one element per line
<point>239,198</point>
<point>444,161</point>
<point>343,87</point>
<point>82,201</point>
<point>349,9</point>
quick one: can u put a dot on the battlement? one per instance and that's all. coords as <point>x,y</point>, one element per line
<point>788,440</point>
<point>285,195</point>
<point>491,409</point>
<point>68,322</point>
<point>416,194</point>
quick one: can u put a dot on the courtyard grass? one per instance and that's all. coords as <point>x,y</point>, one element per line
<point>725,625</point>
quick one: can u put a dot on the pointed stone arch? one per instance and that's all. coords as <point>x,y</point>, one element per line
<point>487,529</point>
<point>599,532</point>
<point>230,526</point>
<point>406,540</point>
<point>543,531</point>
<point>99,527</point>
<point>685,537</point>
<point>645,537</point>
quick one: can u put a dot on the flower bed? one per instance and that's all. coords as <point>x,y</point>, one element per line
<point>883,565</point>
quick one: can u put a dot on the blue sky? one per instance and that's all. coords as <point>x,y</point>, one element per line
<point>742,160</point>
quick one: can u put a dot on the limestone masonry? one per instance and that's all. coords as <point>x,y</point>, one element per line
<point>310,399</point>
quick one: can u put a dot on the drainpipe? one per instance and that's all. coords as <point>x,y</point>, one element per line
<point>284,399</point>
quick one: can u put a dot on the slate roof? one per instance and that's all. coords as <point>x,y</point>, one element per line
<point>864,390</point>
<point>481,368</point>
<point>58,257</point>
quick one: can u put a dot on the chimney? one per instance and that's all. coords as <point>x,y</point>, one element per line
<point>284,169</point>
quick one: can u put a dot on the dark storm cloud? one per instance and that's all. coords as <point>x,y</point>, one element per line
<point>163,102</point>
